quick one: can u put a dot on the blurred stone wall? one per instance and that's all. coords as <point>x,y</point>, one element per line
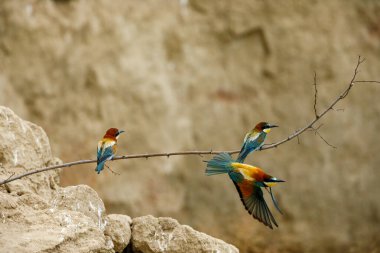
<point>196,75</point>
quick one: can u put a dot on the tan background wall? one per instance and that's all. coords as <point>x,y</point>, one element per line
<point>188,75</point>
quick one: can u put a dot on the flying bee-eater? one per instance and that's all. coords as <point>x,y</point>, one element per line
<point>107,148</point>
<point>248,181</point>
<point>254,139</point>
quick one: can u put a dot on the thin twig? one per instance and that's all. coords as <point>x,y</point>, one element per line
<point>267,146</point>
<point>338,110</point>
<point>113,172</point>
<point>317,133</point>
<point>360,81</point>
<point>318,127</point>
<point>13,173</point>
<point>315,95</point>
<point>308,126</point>
<point>31,172</point>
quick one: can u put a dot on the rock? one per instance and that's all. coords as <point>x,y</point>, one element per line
<point>194,74</point>
<point>36,215</point>
<point>119,230</point>
<point>151,235</point>
<point>61,231</point>
<point>25,146</point>
<point>81,198</point>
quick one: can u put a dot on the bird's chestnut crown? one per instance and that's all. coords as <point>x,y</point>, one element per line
<point>113,132</point>
<point>264,125</point>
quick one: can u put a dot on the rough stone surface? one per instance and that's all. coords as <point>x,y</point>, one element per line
<point>196,75</point>
<point>119,230</point>
<point>36,214</point>
<point>83,199</point>
<point>154,235</point>
<point>23,146</point>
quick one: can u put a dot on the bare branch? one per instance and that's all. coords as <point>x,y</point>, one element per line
<point>338,110</point>
<point>318,127</point>
<point>200,153</point>
<point>31,172</point>
<point>113,172</point>
<point>315,95</point>
<point>317,133</point>
<point>66,165</point>
<point>340,97</point>
<point>13,173</point>
<point>360,81</point>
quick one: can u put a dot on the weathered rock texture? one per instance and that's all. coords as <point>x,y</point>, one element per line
<point>119,230</point>
<point>154,235</point>
<point>37,215</point>
<point>196,74</point>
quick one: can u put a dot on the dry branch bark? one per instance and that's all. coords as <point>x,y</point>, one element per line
<point>309,126</point>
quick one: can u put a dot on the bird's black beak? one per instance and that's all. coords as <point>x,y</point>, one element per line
<point>275,180</point>
<point>120,131</point>
<point>272,126</point>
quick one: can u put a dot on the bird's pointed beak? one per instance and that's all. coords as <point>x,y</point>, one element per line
<point>272,126</point>
<point>121,131</point>
<point>273,179</point>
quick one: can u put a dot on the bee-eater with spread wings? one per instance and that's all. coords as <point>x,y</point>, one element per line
<point>254,139</point>
<point>107,148</point>
<point>248,181</point>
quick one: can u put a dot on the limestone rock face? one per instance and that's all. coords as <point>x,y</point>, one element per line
<point>183,75</point>
<point>83,199</point>
<point>154,235</point>
<point>119,230</point>
<point>37,215</point>
<point>25,146</point>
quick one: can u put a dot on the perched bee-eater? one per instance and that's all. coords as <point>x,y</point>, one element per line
<point>254,140</point>
<point>107,147</point>
<point>248,181</point>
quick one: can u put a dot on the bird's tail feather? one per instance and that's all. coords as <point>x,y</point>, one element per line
<point>219,164</point>
<point>242,155</point>
<point>275,201</point>
<point>100,167</point>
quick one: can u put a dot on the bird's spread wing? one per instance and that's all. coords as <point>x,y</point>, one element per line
<point>106,151</point>
<point>254,202</point>
<point>236,177</point>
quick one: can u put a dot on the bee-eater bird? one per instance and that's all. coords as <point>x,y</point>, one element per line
<point>248,181</point>
<point>254,139</point>
<point>107,148</point>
